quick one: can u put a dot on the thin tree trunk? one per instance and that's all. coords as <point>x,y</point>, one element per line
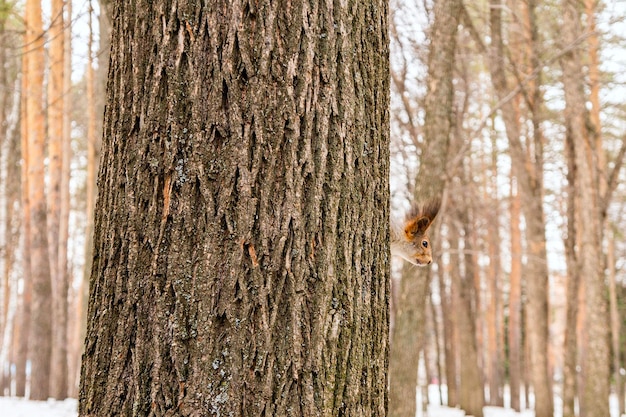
<point>40,343</point>
<point>471,386</point>
<point>56,110</point>
<point>22,332</point>
<point>66,151</point>
<point>570,343</point>
<point>449,330</point>
<point>91,154</point>
<point>494,309</point>
<point>90,199</point>
<point>4,100</point>
<point>615,325</point>
<point>96,93</point>
<point>519,34</point>
<point>5,289</point>
<point>515,301</point>
<point>10,155</point>
<point>594,89</point>
<point>438,351</point>
<point>455,316</point>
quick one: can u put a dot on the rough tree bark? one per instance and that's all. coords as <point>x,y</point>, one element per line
<point>241,239</point>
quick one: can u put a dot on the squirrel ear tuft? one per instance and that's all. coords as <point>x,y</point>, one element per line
<point>431,208</point>
<point>417,227</point>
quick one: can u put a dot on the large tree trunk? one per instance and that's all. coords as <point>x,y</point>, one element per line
<point>40,340</point>
<point>243,190</point>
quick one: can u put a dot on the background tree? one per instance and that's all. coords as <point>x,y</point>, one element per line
<point>10,81</point>
<point>527,164</point>
<point>90,181</point>
<point>430,183</point>
<point>471,385</point>
<point>616,331</point>
<point>22,333</point>
<point>506,61</point>
<point>590,200</point>
<point>493,276</point>
<point>514,336</point>
<point>243,189</point>
<point>40,338</point>
<point>64,271</point>
<point>56,101</point>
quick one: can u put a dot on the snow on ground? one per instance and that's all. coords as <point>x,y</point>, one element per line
<point>19,407</point>
<point>439,411</point>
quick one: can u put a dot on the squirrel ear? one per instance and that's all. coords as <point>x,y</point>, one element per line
<point>417,227</point>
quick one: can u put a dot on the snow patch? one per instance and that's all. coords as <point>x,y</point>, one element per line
<point>19,407</point>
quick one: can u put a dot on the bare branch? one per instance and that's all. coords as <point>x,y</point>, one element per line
<point>612,179</point>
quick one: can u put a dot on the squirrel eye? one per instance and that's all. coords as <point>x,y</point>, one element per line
<point>425,243</point>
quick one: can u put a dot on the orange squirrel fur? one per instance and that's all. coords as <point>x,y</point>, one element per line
<point>409,240</point>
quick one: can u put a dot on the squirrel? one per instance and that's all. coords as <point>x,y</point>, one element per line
<point>409,239</point>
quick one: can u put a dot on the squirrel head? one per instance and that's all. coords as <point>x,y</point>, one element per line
<point>415,243</point>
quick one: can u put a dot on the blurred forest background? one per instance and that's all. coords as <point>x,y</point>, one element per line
<point>527,293</point>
